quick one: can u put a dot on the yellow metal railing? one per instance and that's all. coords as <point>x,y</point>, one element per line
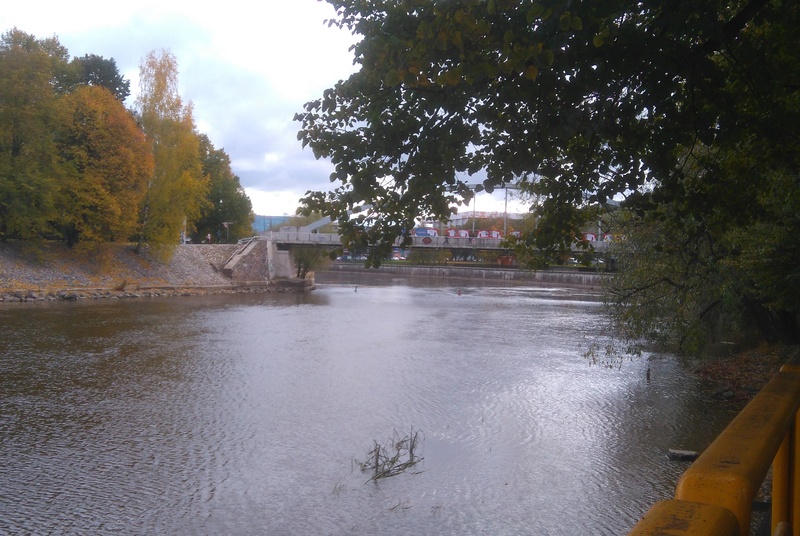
<point>714,497</point>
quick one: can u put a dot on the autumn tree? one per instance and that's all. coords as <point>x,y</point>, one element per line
<point>107,165</point>
<point>29,171</point>
<point>687,111</point>
<point>177,189</point>
<point>227,203</point>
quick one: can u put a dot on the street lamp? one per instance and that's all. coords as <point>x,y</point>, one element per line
<point>505,216</point>
<point>474,202</point>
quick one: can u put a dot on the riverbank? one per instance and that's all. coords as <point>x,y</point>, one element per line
<point>739,377</point>
<point>52,271</point>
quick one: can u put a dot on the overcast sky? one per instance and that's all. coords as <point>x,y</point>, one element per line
<point>247,67</point>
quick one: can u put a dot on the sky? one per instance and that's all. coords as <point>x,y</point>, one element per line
<point>246,67</point>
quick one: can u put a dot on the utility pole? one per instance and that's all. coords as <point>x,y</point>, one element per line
<point>505,215</point>
<point>474,202</point>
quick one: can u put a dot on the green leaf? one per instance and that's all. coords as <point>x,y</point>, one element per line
<point>534,13</point>
<point>392,78</point>
<point>453,76</point>
<point>564,21</point>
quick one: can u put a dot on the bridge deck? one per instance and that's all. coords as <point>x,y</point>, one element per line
<point>333,239</point>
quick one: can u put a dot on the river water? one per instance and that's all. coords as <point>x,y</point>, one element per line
<point>246,414</point>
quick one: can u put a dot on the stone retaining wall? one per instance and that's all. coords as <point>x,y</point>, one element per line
<point>570,278</point>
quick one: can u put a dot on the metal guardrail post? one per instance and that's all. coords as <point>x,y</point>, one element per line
<point>781,481</point>
<point>787,518</point>
<point>794,481</point>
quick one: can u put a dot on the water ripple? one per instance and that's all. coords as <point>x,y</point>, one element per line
<point>244,415</point>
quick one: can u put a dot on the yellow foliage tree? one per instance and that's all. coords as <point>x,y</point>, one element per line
<point>177,189</point>
<point>108,164</point>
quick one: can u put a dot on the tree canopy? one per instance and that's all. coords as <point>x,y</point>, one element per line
<point>177,190</point>
<point>229,213</point>
<point>29,118</point>
<point>107,165</point>
<point>76,165</point>
<point>96,70</point>
<point>685,111</point>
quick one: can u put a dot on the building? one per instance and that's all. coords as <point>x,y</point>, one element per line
<point>262,224</point>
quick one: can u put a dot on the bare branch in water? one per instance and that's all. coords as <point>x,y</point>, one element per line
<point>393,458</point>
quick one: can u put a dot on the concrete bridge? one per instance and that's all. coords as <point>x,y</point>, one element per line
<point>269,256</point>
<point>271,253</point>
<point>302,237</point>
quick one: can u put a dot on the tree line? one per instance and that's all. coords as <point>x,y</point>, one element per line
<point>77,165</point>
<point>678,123</point>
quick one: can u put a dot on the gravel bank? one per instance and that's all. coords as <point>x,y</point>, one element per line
<point>53,271</point>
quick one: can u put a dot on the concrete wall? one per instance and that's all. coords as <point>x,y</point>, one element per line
<point>571,278</point>
<point>280,263</point>
<point>262,261</point>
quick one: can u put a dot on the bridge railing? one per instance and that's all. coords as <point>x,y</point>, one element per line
<point>455,242</point>
<point>305,237</point>
<point>715,495</point>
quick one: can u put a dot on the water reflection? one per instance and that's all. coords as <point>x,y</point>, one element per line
<point>243,414</point>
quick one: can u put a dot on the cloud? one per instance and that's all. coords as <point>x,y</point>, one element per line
<point>247,69</point>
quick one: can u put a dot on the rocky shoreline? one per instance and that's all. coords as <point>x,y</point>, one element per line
<point>51,271</point>
<point>74,295</point>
